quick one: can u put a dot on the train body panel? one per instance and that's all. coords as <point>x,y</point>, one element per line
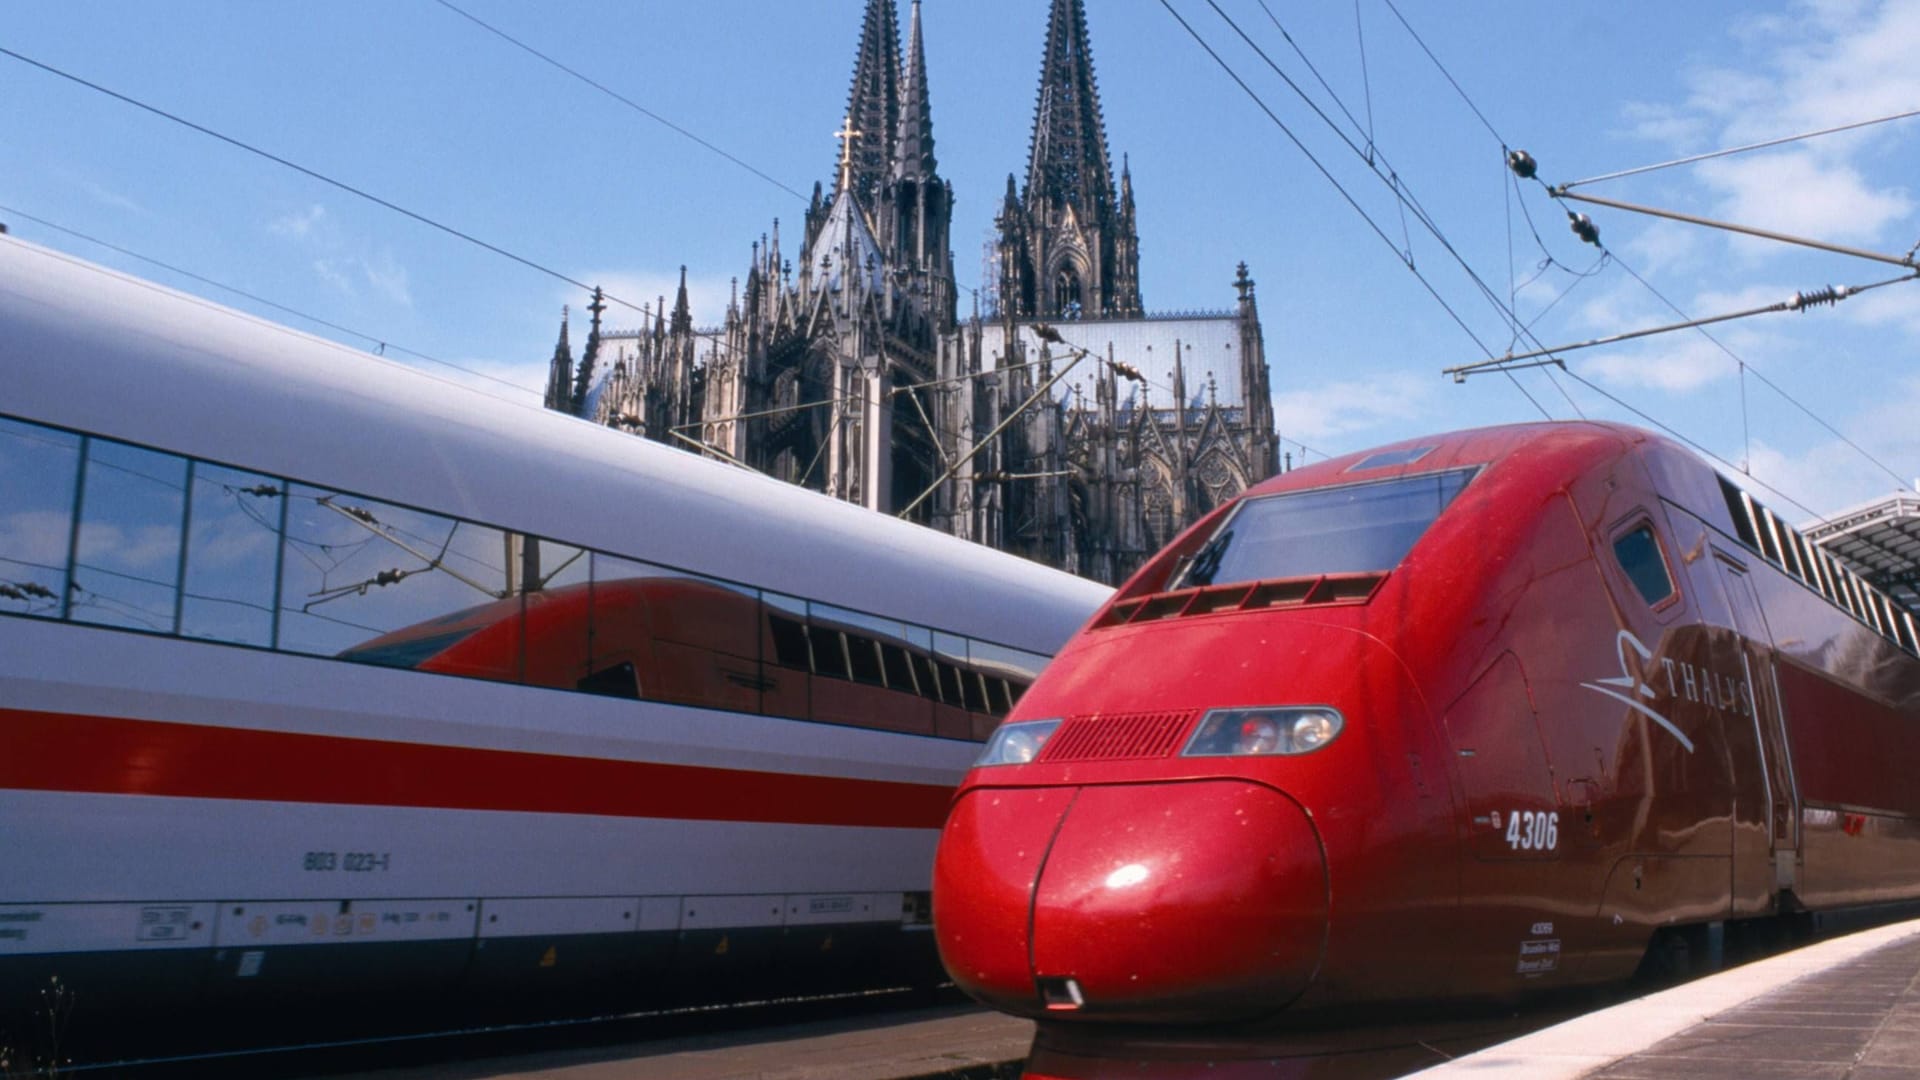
<point>1555,691</point>
<point>318,688</point>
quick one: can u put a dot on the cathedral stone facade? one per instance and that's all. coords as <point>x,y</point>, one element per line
<point>1061,420</point>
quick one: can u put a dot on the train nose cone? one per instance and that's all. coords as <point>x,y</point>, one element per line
<point>1153,903</point>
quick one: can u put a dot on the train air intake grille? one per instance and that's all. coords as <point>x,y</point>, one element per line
<point>1110,736</point>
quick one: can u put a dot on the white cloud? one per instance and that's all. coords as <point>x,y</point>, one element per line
<point>1830,475</point>
<point>298,224</point>
<point>331,272</point>
<point>1338,410</point>
<point>388,278</point>
<point>1896,308</point>
<point>111,198</point>
<point>344,262</point>
<point>1675,364</point>
<point>1819,64</point>
<point>1804,195</point>
<point>1664,246</point>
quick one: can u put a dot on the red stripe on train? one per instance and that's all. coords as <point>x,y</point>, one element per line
<point>43,751</point>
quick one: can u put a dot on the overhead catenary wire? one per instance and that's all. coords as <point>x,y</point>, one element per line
<point>616,95</point>
<point>1697,447</point>
<point>1345,194</point>
<point>385,346</point>
<point>1782,141</point>
<point>1744,367</point>
<point>323,178</point>
<point>1748,368</point>
<point>1800,302</point>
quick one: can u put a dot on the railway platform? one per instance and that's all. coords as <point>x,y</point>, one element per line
<point>956,1042</point>
<point>1844,1009</point>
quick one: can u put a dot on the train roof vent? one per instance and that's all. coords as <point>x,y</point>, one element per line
<point>1246,596</point>
<point>1113,736</point>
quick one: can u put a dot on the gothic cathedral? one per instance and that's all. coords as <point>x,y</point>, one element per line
<point>1061,420</point>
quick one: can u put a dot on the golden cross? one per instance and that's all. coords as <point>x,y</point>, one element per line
<point>846,135</point>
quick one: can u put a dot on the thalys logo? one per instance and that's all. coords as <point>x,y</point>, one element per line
<point>1684,682</point>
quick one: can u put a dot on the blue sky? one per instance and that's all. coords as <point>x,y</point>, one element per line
<point>410,101</point>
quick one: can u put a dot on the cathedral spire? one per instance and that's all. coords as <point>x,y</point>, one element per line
<point>682,313</point>
<point>1072,251</point>
<point>873,104</point>
<point>560,372</point>
<point>1067,163</point>
<point>914,152</point>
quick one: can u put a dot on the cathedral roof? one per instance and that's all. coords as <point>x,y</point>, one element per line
<point>1211,344</point>
<point>846,240</point>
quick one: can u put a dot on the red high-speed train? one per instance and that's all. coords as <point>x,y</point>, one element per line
<point>1468,717</point>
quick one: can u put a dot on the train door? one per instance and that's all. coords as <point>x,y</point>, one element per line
<point>1762,704</point>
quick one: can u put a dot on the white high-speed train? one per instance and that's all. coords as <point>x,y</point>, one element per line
<point>319,674</point>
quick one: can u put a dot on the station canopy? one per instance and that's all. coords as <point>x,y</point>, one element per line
<point>1880,541</point>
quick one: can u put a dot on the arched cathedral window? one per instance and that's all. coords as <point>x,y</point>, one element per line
<point>1157,513</point>
<point>1067,294</point>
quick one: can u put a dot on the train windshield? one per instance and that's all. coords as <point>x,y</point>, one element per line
<point>1355,529</point>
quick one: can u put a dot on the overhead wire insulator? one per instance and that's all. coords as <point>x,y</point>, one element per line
<point>1522,164</point>
<point>1584,228</point>
<point>1830,294</point>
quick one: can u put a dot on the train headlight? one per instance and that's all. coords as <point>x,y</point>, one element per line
<point>1285,730</point>
<point>1017,744</point>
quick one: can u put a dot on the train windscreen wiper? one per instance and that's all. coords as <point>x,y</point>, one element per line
<point>1206,562</point>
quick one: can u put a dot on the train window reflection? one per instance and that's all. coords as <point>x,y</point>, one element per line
<point>691,639</point>
<point>786,681</point>
<point>233,542</point>
<point>126,569</point>
<point>38,470</point>
<point>1639,555</point>
<point>554,583</point>
<point>1357,528</point>
<point>360,576</point>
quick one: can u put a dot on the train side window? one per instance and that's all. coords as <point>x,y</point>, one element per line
<point>1740,509</point>
<point>974,686</point>
<point>1646,566</point>
<point>829,652</point>
<point>361,574</point>
<point>787,658</point>
<point>1823,573</point>
<point>39,472</point>
<point>1763,520</point>
<point>1805,560</point>
<point>899,669</point>
<point>926,675</point>
<point>1016,690</point>
<point>863,656</point>
<point>554,641</point>
<point>126,564</point>
<point>950,684</point>
<point>1004,661</point>
<point>619,681</point>
<point>233,548</point>
<point>789,642</point>
<point>999,696</point>
<point>950,657</point>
